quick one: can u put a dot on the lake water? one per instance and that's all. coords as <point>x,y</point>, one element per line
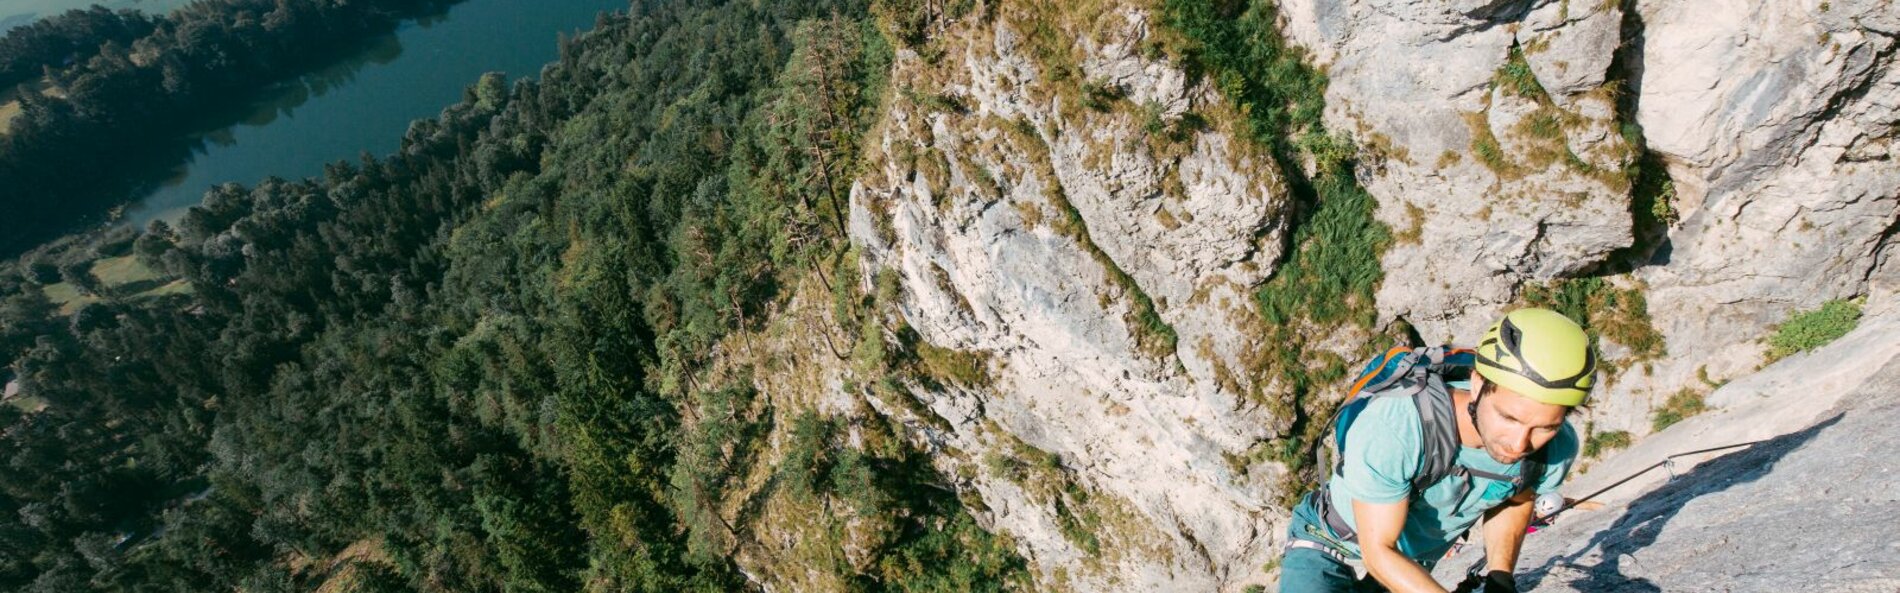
<point>365,103</point>
<point>14,13</point>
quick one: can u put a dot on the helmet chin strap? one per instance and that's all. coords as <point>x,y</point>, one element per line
<point>1471,409</point>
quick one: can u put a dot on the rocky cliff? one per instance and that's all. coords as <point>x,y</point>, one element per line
<point>1063,192</point>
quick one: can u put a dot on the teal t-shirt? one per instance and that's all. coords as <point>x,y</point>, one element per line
<point>1384,451</point>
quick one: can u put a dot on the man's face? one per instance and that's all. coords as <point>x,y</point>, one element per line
<point>1513,425</point>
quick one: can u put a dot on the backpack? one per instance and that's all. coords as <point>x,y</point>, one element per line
<point>1420,374</point>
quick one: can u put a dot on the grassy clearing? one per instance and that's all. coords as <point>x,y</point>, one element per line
<point>123,277</point>
<point>68,297</point>
<point>28,403</point>
<point>359,567</point>
<point>1808,330</point>
<point>119,271</point>
<point>8,111</point>
<point>169,288</point>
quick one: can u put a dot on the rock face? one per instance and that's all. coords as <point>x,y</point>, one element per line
<point>1491,132</point>
<point>1775,121</point>
<point>1792,512</point>
<point>1783,148</point>
<point>1025,225</point>
<point>1049,191</point>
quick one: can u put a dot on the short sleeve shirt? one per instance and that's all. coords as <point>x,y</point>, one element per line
<point>1384,452</point>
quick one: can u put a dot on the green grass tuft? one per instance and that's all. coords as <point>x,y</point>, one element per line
<point>1601,443</point>
<point>1680,406</point>
<point>1808,330</point>
<point>1516,77</point>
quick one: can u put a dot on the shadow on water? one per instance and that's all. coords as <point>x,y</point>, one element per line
<point>165,157</point>
<point>281,99</point>
<point>9,22</point>
<point>172,165</point>
<point>1644,518</point>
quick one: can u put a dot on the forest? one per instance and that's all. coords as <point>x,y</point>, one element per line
<point>481,363</point>
<point>107,99</point>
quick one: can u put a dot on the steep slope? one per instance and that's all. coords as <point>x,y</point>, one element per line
<point>1099,249</point>
<point>1072,195</point>
<point>988,295</point>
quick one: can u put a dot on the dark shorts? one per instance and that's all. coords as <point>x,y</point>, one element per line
<point>1312,571</point>
<point>1319,571</point>
<point>1307,570</point>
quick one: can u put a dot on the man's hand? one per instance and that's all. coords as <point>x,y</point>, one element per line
<point>1497,581</point>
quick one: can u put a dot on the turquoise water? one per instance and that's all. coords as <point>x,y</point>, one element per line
<point>365,103</point>
<point>14,13</point>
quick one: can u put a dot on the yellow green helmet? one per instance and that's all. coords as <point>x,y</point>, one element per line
<point>1540,354</point>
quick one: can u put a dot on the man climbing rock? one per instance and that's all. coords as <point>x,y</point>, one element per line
<point>1427,447</point>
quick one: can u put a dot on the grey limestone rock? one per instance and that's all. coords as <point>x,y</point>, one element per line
<point>1495,136</point>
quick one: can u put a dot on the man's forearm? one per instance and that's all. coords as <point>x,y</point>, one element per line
<point>1504,534</point>
<point>1398,573</point>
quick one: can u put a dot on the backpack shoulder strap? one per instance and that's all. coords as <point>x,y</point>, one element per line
<point>1438,431</point>
<point>1532,470</point>
<point>1438,422</point>
<point>1383,370</point>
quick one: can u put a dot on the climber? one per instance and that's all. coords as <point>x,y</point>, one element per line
<point>1433,447</point>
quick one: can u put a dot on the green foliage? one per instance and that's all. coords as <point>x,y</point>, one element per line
<point>710,455</point>
<point>1078,526</point>
<point>911,22</point>
<point>1702,374</point>
<point>1042,474</point>
<point>1808,330</point>
<point>1662,203</point>
<point>1601,443</point>
<point>490,91</point>
<point>1545,125</point>
<point>931,544</point>
<point>808,456</point>
<point>1516,76</point>
<point>1484,145</point>
<point>1680,406</point>
<point>1652,193</point>
<point>1240,47</point>
<point>949,555</point>
<point>959,367</point>
<point>1100,97</point>
<point>490,352</point>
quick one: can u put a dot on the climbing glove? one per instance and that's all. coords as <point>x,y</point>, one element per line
<point>1497,581</point>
